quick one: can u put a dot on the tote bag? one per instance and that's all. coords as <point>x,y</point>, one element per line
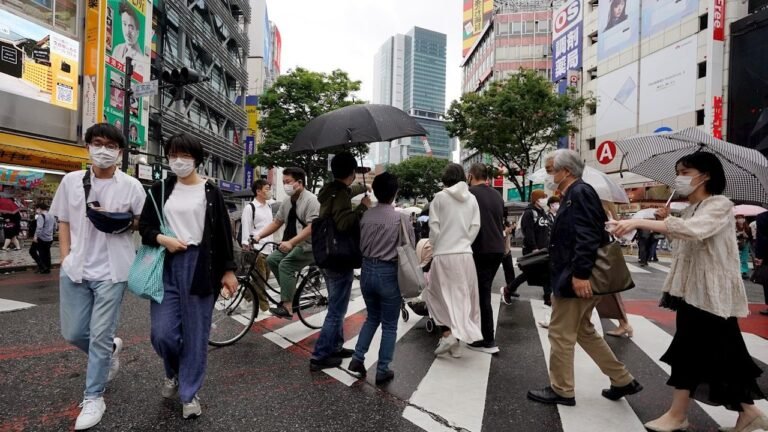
<point>146,275</point>
<point>410,276</point>
<point>610,274</point>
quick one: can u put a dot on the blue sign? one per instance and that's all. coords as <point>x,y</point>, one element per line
<point>250,148</point>
<point>663,129</point>
<point>566,51</point>
<point>229,186</point>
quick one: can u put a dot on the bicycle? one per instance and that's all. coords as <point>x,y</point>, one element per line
<point>234,316</point>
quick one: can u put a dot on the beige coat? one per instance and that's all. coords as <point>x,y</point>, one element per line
<point>705,268</point>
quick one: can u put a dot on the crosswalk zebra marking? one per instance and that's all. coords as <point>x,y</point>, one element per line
<point>659,267</point>
<point>604,415</point>
<point>758,347</point>
<point>454,389</point>
<point>12,305</point>
<point>635,269</point>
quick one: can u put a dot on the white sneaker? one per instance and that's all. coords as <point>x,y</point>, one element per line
<point>114,363</point>
<point>91,413</point>
<point>192,409</point>
<point>170,388</point>
<point>445,344</point>
<point>456,350</point>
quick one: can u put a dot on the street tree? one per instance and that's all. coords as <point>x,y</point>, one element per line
<point>516,121</point>
<point>419,176</point>
<point>293,100</point>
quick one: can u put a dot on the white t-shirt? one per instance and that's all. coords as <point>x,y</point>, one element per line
<point>96,265</point>
<point>185,212</point>
<point>253,224</point>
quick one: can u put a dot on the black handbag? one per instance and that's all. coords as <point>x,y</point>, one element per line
<point>760,275</point>
<point>534,261</point>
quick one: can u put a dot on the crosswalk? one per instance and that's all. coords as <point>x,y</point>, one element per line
<point>470,393</point>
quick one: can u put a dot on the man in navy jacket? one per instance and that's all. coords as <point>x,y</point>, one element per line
<point>577,234</point>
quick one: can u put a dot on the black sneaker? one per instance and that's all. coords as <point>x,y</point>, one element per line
<point>344,353</point>
<point>281,312</point>
<point>357,367</point>
<point>615,393</point>
<point>548,299</point>
<point>326,363</point>
<point>485,347</point>
<point>764,312</point>
<point>383,378</point>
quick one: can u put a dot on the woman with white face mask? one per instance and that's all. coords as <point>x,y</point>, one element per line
<point>709,359</point>
<point>199,262</point>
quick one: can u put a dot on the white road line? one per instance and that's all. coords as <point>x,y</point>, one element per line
<point>373,351</point>
<point>635,269</point>
<point>654,342</point>
<point>454,389</point>
<point>659,267</point>
<point>12,305</point>
<point>757,346</point>
<point>297,331</point>
<point>602,414</point>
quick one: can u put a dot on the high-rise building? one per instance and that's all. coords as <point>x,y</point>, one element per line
<point>409,73</point>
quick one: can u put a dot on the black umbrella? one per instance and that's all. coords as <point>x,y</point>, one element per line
<point>356,124</point>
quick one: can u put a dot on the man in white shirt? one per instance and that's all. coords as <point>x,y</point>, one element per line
<point>256,216</point>
<point>95,264</point>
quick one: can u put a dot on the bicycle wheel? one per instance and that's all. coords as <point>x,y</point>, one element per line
<point>233,317</point>
<point>311,298</point>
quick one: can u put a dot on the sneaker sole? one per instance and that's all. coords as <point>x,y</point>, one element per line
<point>494,350</point>
<point>441,351</point>
<point>504,297</point>
<point>551,402</point>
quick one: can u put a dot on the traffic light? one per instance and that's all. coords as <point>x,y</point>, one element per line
<point>178,78</point>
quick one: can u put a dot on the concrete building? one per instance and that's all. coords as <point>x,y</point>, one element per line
<point>409,73</point>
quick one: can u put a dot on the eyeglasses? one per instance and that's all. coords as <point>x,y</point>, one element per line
<point>107,144</point>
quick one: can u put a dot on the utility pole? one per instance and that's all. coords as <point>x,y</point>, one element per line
<point>127,93</point>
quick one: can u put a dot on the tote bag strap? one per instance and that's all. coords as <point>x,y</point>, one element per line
<point>403,232</point>
<point>160,214</point>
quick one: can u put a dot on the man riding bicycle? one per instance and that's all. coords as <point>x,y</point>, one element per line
<point>296,212</point>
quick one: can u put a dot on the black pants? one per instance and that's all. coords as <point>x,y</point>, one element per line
<point>509,269</point>
<point>41,253</point>
<point>486,265</point>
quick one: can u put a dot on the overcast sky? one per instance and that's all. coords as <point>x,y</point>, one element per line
<point>345,34</point>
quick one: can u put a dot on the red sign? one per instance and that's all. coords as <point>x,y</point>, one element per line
<point>498,181</point>
<point>717,117</point>
<point>606,152</point>
<point>277,56</point>
<point>718,31</point>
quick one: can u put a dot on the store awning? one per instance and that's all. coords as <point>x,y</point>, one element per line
<point>41,153</point>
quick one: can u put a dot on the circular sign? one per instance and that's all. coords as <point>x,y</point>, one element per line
<point>606,152</point>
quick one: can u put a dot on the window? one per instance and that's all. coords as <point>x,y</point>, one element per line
<point>592,143</point>
<point>530,27</point>
<point>542,26</point>
<point>703,22</point>
<point>593,38</point>
<point>171,42</point>
<point>592,107</point>
<point>700,117</point>
<point>702,69</point>
<point>592,73</point>
<point>516,28</point>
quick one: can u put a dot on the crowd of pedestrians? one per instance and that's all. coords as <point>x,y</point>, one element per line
<point>465,243</point>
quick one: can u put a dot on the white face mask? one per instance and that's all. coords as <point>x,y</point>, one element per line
<point>542,202</point>
<point>683,185</point>
<point>103,157</point>
<point>555,207</point>
<point>182,167</point>
<point>289,189</point>
<point>549,183</point>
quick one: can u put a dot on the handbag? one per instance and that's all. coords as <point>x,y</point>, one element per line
<point>610,274</point>
<point>410,276</point>
<point>145,278</point>
<point>760,275</point>
<point>332,249</point>
<point>534,261</point>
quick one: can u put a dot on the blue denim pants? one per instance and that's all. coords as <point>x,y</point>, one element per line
<point>332,334</point>
<point>181,324</point>
<point>89,313</point>
<point>378,282</point>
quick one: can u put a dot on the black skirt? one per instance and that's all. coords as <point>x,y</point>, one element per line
<point>709,358</point>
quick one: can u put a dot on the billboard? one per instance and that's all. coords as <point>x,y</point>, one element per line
<point>38,63</point>
<point>477,14</point>
<point>618,26</point>
<point>278,50</point>
<point>566,39</point>
<point>617,94</point>
<point>659,15</point>
<point>668,82</point>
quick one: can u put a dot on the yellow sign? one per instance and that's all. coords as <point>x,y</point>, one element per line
<point>252,111</point>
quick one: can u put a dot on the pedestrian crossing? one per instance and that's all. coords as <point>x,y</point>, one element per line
<point>480,392</point>
<point>12,305</point>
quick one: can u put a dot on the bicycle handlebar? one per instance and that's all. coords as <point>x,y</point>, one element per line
<point>263,245</point>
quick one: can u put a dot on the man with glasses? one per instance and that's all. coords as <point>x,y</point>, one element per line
<point>297,212</point>
<point>95,263</point>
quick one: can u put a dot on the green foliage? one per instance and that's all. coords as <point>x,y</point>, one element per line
<point>515,121</point>
<point>292,101</point>
<point>419,176</point>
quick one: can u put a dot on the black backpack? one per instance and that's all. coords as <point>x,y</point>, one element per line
<point>334,250</point>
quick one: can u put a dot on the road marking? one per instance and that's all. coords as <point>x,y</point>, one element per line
<point>454,389</point>
<point>659,267</point>
<point>757,346</point>
<point>635,269</point>
<point>12,305</point>
<point>603,414</point>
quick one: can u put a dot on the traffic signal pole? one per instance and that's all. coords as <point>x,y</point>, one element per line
<point>127,93</point>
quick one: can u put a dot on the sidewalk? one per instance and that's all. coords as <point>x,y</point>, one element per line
<point>13,261</point>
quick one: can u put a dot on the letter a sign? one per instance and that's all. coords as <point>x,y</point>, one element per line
<point>606,152</point>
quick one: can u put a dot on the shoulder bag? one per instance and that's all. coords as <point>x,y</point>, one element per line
<point>610,274</point>
<point>410,276</point>
<point>145,278</point>
<point>332,249</point>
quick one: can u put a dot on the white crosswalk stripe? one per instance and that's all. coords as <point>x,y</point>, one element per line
<point>12,305</point>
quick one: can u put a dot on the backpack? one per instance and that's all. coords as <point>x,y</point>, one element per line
<point>332,249</point>
<point>240,227</point>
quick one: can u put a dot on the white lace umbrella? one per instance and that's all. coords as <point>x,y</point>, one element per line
<point>606,188</point>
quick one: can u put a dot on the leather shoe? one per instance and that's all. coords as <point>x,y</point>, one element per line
<point>344,353</point>
<point>548,396</point>
<point>357,367</point>
<point>615,393</point>
<point>326,363</point>
<point>383,378</point>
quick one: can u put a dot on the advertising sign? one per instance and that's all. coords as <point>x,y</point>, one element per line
<point>718,19</point>
<point>229,186</point>
<point>659,15</point>
<point>717,117</point>
<point>566,17</point>
<point>618,26</point>
<point>617,100</point>
<point>566,52</point>
<point>668,82</point>
<point>38,63</point>
<point>278,50</point>
<point>250,148</point>
<point>606,152</point>
<point>477,14</point>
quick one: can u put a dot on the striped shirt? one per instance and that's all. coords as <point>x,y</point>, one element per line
<point>380,232</point>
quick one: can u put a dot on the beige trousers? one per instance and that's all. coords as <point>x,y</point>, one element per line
<point>570,323</point>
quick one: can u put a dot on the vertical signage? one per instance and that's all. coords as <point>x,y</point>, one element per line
<point>713,110</point>
<point>717,117</point>
<point>566,39</point>
<point>718,32</point>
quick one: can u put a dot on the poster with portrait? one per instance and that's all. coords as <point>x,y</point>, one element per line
<point>128,34</point>
<point>618,26</point>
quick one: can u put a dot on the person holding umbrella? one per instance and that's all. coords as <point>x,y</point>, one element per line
<point>11,230</point>
<point>704,286</point>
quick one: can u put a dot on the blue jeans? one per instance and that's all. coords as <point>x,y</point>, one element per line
<point>331,337</point>
<point>89,312</point>
<point>378,283</point>
<point>181,324</point>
